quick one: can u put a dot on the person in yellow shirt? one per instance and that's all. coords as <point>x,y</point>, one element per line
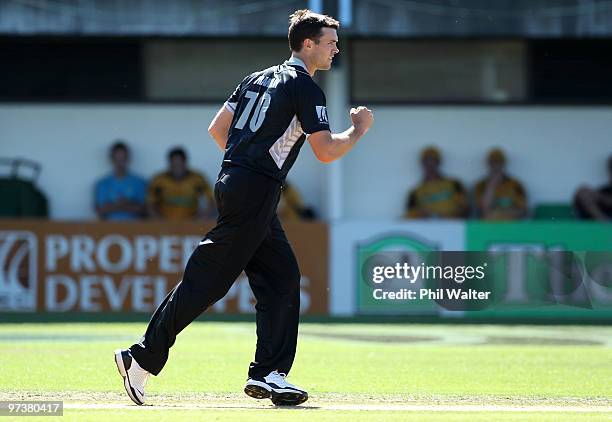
<point>179,193</point>
<point>437,196</point>
<point>499,196</point>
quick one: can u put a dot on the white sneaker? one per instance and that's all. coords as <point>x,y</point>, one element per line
<point>274,386</point>
<point>134,377</point>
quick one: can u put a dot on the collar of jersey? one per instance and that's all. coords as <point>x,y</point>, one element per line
<point>296,61</point>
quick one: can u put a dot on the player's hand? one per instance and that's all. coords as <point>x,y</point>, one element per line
<point>362,118</point>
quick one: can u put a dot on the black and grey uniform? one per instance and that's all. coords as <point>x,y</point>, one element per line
<point>273,111</point>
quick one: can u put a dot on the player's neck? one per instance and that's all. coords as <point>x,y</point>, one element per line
<point>311,69</point>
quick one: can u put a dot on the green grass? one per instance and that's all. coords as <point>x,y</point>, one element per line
<point>337,363</point>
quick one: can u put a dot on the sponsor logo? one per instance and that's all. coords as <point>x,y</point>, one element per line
<point>322,114</point>
<point>387,249</point>
<point>282,147</point>
<point>18,263</point>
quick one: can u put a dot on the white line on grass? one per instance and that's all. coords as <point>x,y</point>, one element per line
<point>347,407</point>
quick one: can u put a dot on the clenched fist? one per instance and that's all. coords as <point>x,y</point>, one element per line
<point>362,118</point>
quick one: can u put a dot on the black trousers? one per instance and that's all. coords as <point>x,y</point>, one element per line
<point>248,236</point>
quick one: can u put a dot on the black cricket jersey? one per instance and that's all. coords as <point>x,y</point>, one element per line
<point>274,109</point>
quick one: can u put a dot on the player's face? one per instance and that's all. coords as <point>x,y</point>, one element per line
<point>324,51</point>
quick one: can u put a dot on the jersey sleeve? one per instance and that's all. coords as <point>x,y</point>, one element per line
<point>311,107</point>
<point>232,102</point>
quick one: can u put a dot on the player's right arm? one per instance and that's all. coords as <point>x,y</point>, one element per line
<point>328,146</point>
<point>220,125</point>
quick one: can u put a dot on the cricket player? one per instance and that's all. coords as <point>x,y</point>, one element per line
<point>261,128</point>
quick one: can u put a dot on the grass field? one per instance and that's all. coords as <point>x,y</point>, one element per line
<point>352,371</point>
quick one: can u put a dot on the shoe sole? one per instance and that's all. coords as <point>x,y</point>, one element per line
<point>257,391</point>
<point>288,399</point>
<point>126,379</point>
<point>284,398</point>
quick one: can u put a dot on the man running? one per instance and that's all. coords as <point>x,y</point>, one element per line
<point>261,128</point>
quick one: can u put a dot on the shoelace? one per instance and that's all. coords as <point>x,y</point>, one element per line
<point>283,377</point>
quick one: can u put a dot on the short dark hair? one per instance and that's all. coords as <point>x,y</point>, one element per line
<point>308,24</point>
<point>119,145</point>
<point>177,152</point>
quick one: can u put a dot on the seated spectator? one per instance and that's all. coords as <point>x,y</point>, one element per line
<point>595,204</point>
<point>499,196</point>
<point>178,193</point>
<point>291,207</point>
<point>121,194</point>
<point>437,196</point>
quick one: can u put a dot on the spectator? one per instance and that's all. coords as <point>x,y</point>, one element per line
<point>499,196</point>
<point>121,194</point>
<point>178,193</point>
<point>291,207</point>
<point>595,204</point>
<point>437,196</point>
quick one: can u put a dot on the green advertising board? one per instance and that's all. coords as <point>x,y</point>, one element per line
<point>571,236</point>
<point>528,275</point>
<point>536,270</point>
